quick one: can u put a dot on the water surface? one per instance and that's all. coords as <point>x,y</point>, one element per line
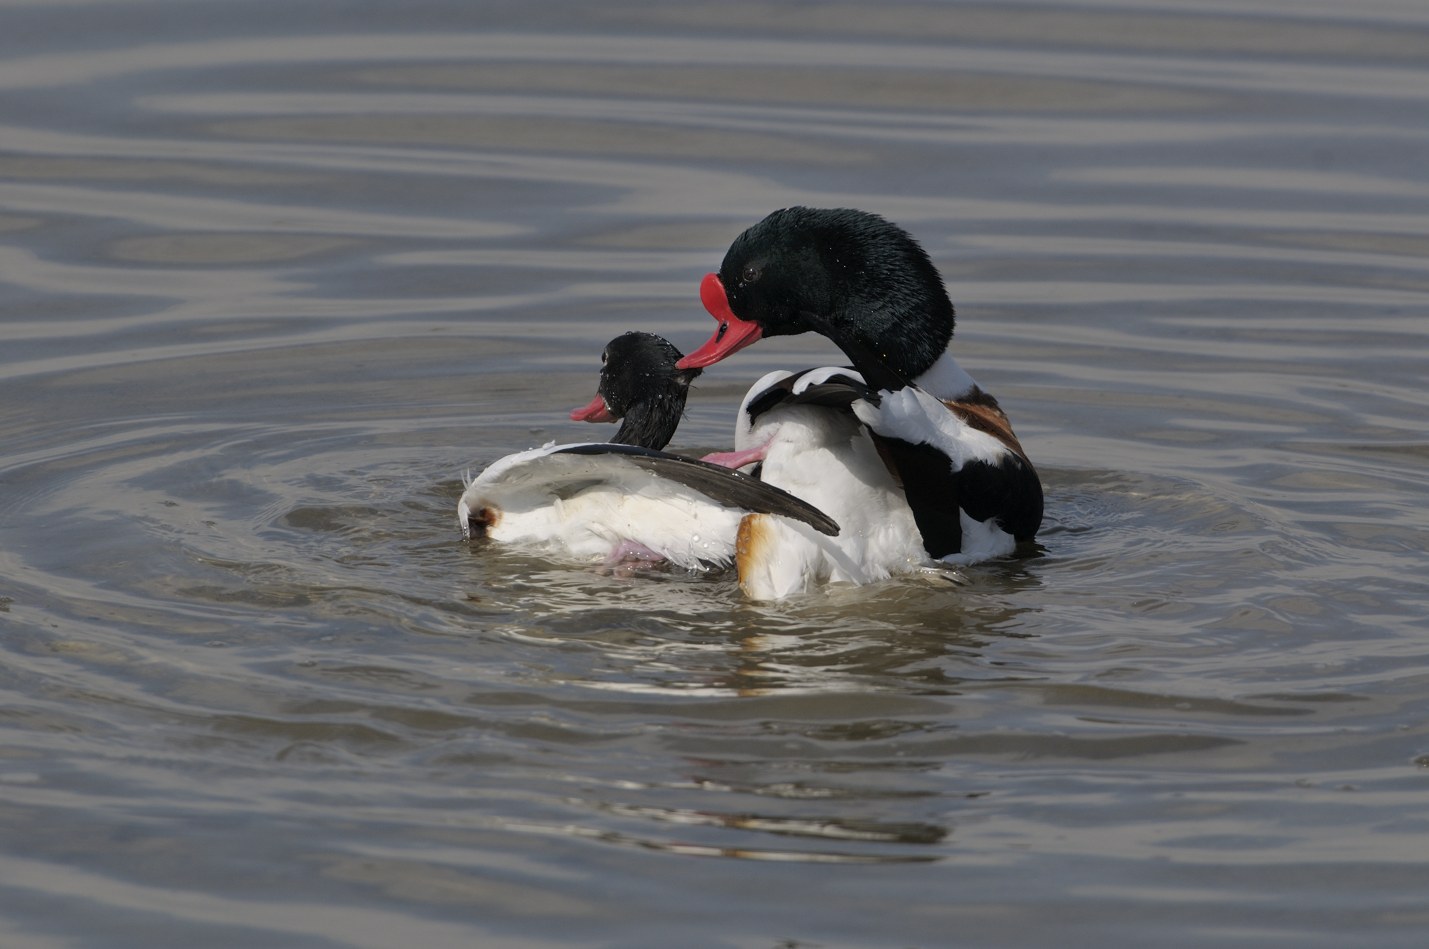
<point>275,277</point>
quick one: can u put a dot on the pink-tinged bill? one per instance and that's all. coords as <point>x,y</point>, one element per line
<point>595,412</point>
<point>733,334</point>
<point>738,459</point>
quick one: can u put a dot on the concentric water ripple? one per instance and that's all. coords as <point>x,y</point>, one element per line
<point>274,281</point>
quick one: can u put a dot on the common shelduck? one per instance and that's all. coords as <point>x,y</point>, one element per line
<point>612,502</point>
<point>868,286</point>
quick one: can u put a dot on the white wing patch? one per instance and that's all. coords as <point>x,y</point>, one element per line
<point>914,416</point>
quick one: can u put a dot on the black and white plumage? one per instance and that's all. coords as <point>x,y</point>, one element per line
<point>606,501</point>
<point>869,287</point>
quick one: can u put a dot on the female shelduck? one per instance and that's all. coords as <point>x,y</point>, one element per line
<point>802,433</point>
<point>625,500</point>
<point>869,287</point>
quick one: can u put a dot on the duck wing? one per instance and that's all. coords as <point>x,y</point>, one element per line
<point>564,470</point>
<point>722,485</point>
<point>948,459</point>
<point>830,387</point>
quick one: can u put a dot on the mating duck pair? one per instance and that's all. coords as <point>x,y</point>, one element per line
<point>892,465</point>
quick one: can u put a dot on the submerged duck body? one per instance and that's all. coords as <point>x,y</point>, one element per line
<point>626,499</point>
<point>869,287</point>
<point>609,502</point>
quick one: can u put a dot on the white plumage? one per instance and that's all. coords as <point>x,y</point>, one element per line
<point>590,502</point>
<point>823,455</point>
<point>597,507</point>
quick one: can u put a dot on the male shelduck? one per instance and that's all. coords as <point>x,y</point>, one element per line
<point>869,287</point>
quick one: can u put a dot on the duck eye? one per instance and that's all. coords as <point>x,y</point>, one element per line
<point>751,274</point>
<point>603,355</point>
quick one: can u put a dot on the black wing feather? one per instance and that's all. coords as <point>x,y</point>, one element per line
<point>719,483</point>
<point>1008,490</point>
<point>836,391</point>
<point>932,488</point>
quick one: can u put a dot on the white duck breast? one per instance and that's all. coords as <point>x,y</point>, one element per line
<point>808,442</point>
<point>592,502</point>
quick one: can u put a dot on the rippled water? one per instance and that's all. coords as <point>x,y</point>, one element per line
<point>275,275</point>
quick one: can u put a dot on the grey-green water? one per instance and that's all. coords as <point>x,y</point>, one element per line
<point>274,275</point>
